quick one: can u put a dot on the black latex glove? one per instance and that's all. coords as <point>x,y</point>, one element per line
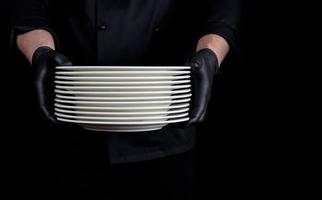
<point>44,61</point>
<point>204,67</point>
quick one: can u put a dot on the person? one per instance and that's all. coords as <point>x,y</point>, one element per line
<point>150,165</point>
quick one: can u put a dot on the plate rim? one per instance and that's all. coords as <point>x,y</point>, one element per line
<point>123,83</point>
<point>120,72</point>
<point>182,105</point>
<point>124,67</point>
<point>115,102</point>
<point>122,130</point>
<point>121,87</point>
<point>180,115</point>
<point>58,91</point>
<point>58,77</point>
<point>179,96</point>
<point>124,123</point>
<point>174,111</point>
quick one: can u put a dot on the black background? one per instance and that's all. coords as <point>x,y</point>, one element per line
<point>238,151</point>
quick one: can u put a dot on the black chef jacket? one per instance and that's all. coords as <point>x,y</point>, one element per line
<point>131,32</point>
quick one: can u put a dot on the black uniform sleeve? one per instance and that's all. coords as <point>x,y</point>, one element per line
<point>28,15</point>
<point>222,17</point>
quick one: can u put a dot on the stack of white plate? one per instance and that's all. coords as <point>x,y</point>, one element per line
<point>122,99</point>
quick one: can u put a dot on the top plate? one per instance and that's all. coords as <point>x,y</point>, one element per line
<point>121,73</point>
<point>120,78</point>
<point>122,68</point>
<point>121,88</point>
<point>108,83</point>
<point>124,123</point>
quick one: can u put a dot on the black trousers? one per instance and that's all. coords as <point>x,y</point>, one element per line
<point>84,172</point>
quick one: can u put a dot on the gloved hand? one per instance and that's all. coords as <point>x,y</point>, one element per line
<point>44,61</point>
<point>204,67</point>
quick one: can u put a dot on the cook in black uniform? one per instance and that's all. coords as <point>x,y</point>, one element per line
<point>128,32</point>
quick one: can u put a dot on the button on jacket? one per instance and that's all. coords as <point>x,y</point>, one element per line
<point>131,32</point>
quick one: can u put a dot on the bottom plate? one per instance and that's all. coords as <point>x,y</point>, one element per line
<point>138,113</point>
<point>120,129</point>
<point>124,118</point>
<point>123,122</point>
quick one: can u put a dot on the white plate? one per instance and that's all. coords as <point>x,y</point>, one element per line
<point>122,73</point>
<point>119,68</point>
<point>123,98</point>
<point>123,102</point>
<point>131,119</point>
<point>124,78</point>
<point>113,83</point>
<point>140,93</point>
<point>113,88</point>
<point>122,128</point>
<point>135,113</point>
<point>124,123</point>
<point>120,109</point>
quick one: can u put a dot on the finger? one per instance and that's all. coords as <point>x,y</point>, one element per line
<point>192,121</point>
<point>200,101</point>
<point>51,117</point>
<point>44,90</point>
<point>202,117</point>
<point>61,60</point>
<point>192,118</point>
